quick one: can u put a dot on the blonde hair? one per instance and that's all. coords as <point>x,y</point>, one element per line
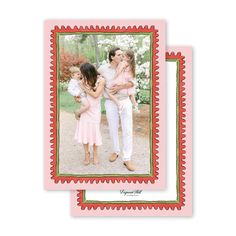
<point>74,69</point>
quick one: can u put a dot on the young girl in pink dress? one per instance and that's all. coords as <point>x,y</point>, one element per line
<point>88,126</point>
<point>125,72</point>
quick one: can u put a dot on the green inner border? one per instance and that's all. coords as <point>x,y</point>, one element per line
<point>177,154</point>
<point>58,109</point>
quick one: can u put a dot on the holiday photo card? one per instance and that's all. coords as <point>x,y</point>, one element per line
<point>104,104</point>
<point>176,199</point>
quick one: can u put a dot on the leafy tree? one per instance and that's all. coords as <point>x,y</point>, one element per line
<point>66,61</point>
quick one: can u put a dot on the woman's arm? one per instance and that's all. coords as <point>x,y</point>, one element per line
<point>84,106</point>
<point>98,91</point>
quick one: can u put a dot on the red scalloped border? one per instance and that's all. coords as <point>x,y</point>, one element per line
<point>182,129</point>
<point>53,104</point>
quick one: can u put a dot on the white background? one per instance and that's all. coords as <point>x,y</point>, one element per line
<point>26,208</point>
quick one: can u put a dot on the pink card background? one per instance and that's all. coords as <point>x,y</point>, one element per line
<point>160,183</point>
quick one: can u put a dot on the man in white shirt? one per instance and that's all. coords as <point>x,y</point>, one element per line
<point>108,71</point>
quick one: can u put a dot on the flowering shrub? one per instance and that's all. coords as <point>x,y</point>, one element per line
<point>141,47</point>
<point>66,61</point>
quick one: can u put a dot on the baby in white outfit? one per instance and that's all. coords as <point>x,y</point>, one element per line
<point>75,90</point>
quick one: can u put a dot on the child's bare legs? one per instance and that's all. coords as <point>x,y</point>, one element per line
<point>135,104</point>
<point>115,100</point>
<point>132,98</point>
<point>87,155</point>
<point>95,155</point>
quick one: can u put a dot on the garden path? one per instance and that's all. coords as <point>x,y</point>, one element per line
<point>71,153</point>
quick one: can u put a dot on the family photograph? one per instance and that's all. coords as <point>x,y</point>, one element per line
<point>104,104</point>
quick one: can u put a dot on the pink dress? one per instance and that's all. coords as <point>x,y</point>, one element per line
<point>88,126</point>
<point>122,78</point>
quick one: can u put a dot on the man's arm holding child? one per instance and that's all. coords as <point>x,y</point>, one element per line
<point>117,87</point>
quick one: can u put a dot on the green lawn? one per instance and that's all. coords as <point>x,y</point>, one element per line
<point>68,104</point>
